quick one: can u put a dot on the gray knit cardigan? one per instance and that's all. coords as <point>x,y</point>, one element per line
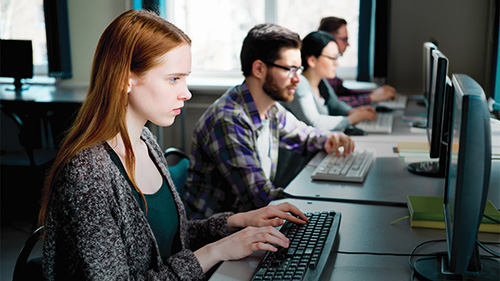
<point>95,229</point>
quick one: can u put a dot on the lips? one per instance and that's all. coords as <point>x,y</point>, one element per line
<point>177,110</point>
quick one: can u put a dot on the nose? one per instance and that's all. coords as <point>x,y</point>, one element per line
<point>296,78</point>
<point>185,94</point>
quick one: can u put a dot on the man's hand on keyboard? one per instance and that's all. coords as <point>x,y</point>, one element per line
<point>272,215</point>
<point>338,140</point>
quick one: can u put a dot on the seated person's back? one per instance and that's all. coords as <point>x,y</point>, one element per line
<point>316,102</point>
<point>232,167</point>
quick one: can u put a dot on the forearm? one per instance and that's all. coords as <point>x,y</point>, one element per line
<point>208,256</point>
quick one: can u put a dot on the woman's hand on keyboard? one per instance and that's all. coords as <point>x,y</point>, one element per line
<point>241,244</point>
<point>272,215</point>
<point>361,113</point>
<point>338,140</point>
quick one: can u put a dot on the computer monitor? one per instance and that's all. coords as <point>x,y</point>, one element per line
<point>58,43</point>
<point>466,190</point>
<point>16,60</point>
<point>440,96</point>
<point>428,67</point>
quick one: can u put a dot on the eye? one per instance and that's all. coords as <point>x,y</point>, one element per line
<point>174,79</point>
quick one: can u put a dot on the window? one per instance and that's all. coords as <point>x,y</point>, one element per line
<point>218,27</point>
<point>24,19</point>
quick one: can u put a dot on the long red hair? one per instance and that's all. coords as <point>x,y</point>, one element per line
<point>131,44</point>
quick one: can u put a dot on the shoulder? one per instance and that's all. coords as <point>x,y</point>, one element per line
<point>227,110</point>
<point>303,86</point>
<point>89,168</point>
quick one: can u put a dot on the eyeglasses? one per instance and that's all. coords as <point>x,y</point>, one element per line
<point>345,39</point>
<point>292,71</point>
<point>332,58</point>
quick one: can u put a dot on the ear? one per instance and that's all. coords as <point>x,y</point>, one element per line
<point>259,69</point>
<point>132,81</point>
<point>311,61</point>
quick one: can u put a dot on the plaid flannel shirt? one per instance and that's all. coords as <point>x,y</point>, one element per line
<point>353,98</point>
<point>225,171</point>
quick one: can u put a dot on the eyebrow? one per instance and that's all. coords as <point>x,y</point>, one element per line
<point>179,74</point>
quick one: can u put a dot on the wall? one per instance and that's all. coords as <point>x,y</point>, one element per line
<point>87,21</point>
<point>460,28</point>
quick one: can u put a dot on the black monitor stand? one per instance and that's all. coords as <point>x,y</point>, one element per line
<point>435,268</point>
<point>434,169</point>
<point>18,86</point>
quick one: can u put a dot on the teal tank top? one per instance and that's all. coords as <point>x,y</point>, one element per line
<point>161,215</point>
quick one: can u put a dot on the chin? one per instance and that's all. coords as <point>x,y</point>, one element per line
<point>288,98</point>
<point>164,123</point>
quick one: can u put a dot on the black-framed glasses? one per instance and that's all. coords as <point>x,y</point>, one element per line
<point>332,58</point>
<point>344,39</point>
<point>292,71</point>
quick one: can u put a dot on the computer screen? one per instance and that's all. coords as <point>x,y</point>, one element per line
<point>16,60</point>
<point>438,104</point>
<point>466,188</point>
<point>58,43</point>
<point>435,102</point>
<point>428,47</point>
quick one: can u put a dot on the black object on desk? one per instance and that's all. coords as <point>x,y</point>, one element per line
<point>383,109</point>
<point>354,131</point>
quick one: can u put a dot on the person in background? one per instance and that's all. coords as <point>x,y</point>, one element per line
<point>110,209</point>
<point>235,143</point>
<point>337,27</point>
<point>316,103</point>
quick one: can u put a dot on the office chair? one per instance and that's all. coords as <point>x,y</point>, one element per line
<point>29,269</point>
<point>24,163</point>
<point>178,163</point>
<point>17,143</point>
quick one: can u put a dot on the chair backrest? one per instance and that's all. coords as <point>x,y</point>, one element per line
<point>29,269</point>
<point>178,163</point>
<point>17,143</point>
<point>14,152</point>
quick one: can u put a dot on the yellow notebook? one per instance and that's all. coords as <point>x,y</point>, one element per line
<point>406,146</point>
<point>427,212</point>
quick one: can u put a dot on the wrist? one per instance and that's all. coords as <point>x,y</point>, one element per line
<point>235,222</point>
<point>208,256</point>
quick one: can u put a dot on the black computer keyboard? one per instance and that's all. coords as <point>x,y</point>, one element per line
<point>310,247</point>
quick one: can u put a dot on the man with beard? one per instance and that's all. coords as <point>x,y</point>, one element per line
<point>235,143</point>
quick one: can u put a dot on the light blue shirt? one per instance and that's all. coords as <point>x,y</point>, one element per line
<point>307,109</point>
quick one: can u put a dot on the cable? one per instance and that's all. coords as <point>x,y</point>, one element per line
<point>380,254</point>
<point>491,252</point>
<point>410,264</point>
<point>492,219</point>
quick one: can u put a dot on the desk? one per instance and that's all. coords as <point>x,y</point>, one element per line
<point>46,111</point>
<point>362,228</point>
<point>388,182</point>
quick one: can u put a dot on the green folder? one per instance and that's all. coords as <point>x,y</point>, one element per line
<point>427,211</point>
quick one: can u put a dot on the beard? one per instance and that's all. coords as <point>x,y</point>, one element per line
<point>272,89</point>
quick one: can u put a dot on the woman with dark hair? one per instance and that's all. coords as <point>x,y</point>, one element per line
<point>337,28</point>
<point>315,101</point>
<point>110,208</point>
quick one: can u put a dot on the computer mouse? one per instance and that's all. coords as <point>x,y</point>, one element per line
<point>380,108</point>
<point>353,131</point>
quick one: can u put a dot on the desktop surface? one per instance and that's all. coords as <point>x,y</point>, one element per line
<point>44,94</point>
<point>388,182</point>
<point>364,228</point>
